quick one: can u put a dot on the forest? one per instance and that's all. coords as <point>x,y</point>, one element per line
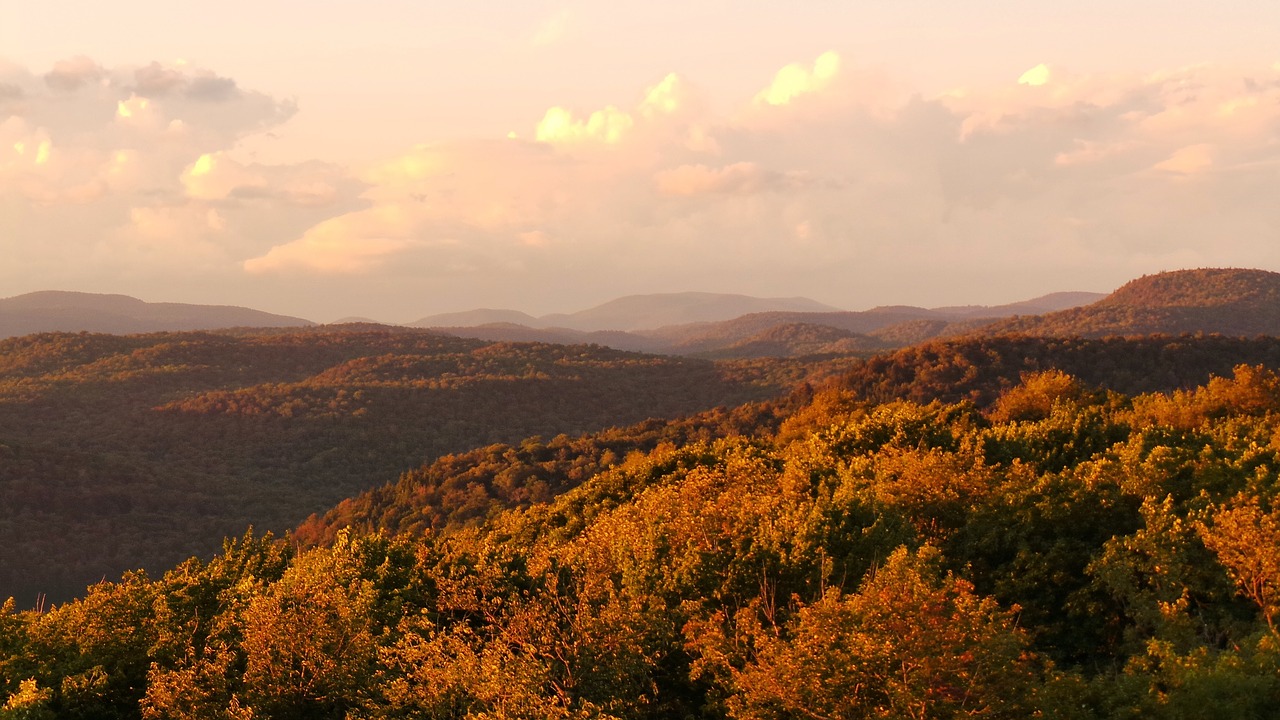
<point>139,451</point>
<point>1006,528</point>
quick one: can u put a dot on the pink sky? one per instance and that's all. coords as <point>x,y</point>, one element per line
<point>405,158</point>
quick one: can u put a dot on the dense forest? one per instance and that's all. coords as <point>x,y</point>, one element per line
<point>119,452</point>
<point>1229,301</point>
<point>962,529</point>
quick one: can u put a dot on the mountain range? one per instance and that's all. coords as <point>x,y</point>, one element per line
<point>1227,301</point>
<point>688,323</point>
<point>634,312</point>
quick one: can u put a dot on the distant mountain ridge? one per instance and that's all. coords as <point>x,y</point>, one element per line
<point>632,312</point>
<point>727,326</point>
<point>63,311</point>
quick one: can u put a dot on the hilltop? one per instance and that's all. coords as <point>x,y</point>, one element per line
<point>1225,301</point>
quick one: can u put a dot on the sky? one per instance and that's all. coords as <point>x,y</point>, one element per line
<point>392,159</point>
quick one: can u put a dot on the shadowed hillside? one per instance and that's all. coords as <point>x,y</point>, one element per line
<point>139,451</point>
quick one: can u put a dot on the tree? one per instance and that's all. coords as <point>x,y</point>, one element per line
<point>911,643</point>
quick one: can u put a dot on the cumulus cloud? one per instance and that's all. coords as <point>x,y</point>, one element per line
<point>610,125</point>
<point>1036,76</point>
<point>349,244</point>
<point>830,181</point>
<point>133,169</point>
<point>158,80</point>
<point>1052,179</point>
<point>560,125</point>
<point>212,88</point>
<point>70,75</point>
<point>482,200</point>
<point>796,80</point>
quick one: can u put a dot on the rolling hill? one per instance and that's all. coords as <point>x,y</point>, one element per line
<point>142,450</point>
<point>1226,301</point>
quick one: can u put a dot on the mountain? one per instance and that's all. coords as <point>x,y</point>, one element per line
<point>798,340</point>
<point>1226,301</point>
<point>633,312</point>
<point>1035,306</point>
<point>475,318</point>
<point>780,334</point>
<point>58,311</point>
<point>1017,542</point>
<point>643,312</point>
<point>354,320</point>
<point>738,326</point>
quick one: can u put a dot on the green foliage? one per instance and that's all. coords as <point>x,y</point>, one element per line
<point>1033,548</point>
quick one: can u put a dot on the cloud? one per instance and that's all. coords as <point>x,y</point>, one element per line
<point>158,80</point>
<point>211,88</point>
<point>742,178</point>
<point>1188,160</point>
<point>832,181</point>
<point>214,176</point>
<point>1056,180</point>
<point>607,126</point>
<point>1036,76</point>
<point>669,96</point>
<point>70,75</point>
<point>477,201</point>
<point>796,80</point>
<point>342,245</point>
<point>610,125</point>
<point>134,170</point>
